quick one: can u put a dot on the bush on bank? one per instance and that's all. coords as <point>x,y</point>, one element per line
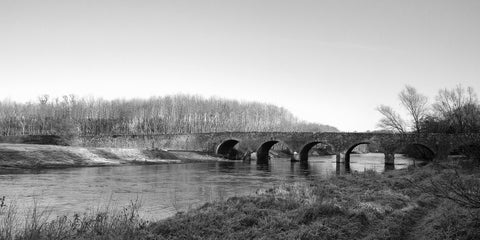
<point>403,204</point>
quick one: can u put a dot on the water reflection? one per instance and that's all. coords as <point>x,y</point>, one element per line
<point>165,189</point>
<point>342,168</point>
<point>264,167</point>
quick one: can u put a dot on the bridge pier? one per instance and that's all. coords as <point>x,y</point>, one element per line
<point>296,158</point>
<point>262,157</point>
<point>247,157</point>
<point>389,158</point>
<point>340,157</point>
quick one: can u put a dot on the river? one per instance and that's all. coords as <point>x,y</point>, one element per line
<point>165,189</point>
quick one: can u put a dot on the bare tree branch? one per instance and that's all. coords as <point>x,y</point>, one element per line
<point>463,190</point>
<point>416,105</point>
<point>391,120</point>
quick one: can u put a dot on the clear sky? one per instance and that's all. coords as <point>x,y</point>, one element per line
<point>330,62</point>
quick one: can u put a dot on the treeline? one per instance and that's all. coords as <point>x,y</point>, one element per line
<point>454,110</point>
<point>71,115</point>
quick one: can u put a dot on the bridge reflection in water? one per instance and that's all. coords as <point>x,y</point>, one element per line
<point>326,166</point>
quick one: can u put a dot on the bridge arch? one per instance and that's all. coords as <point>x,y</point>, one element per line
<point>227,148</point>
<point>350,149</point>
<point>264,149</point>
<point>428,153</point>
<point>303,155</point>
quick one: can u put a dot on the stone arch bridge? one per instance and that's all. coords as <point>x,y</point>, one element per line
<point>298,143</point>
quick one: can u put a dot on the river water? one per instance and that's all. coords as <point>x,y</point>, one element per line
<point>165,189</point>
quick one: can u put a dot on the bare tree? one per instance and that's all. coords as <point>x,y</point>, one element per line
<point>43,99</point>
<point>416,105</point>
<point>391,120</point>
<point>459,107</point>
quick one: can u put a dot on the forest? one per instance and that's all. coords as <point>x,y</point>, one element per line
<point>71,115</point>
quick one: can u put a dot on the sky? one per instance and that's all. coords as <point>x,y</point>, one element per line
<point>331,62</point>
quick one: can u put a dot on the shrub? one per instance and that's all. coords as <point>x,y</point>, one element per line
<point>461,189</point>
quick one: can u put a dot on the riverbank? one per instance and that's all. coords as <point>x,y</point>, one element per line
<point>432,202</point>
<point>32,156</point>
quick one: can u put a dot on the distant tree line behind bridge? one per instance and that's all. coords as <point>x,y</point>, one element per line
<point>71,115</point>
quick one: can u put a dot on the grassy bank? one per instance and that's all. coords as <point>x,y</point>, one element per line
<point>433,202</point>
<point>30,156</point>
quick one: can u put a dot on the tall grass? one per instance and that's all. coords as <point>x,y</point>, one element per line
<point>105,223</point>
<point>8,217</point>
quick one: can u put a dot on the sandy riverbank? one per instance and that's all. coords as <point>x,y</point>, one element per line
<point>29,156</point>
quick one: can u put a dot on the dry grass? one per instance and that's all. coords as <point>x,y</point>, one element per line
<point>105,223</point>
<point>358,206</point>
